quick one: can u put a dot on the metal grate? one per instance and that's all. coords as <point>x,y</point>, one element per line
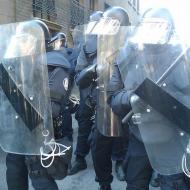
<point>67,13</point>
<point>44,9</point>
<point>135,5</point>
<point>79,14</point>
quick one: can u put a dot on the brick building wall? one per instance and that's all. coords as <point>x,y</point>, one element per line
<point>7,11</point>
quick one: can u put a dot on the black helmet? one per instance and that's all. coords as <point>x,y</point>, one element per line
<point>159,13</point>
<point>59,36</point>
<point>96,16</point>
<point>47,35</point>
<point>118,13</point>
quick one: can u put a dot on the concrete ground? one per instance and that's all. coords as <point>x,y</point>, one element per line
<point>81,181</point>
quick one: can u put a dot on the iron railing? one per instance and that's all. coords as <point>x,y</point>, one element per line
<point>135,5</point>
<point>44,9</point>
<point>79,14</point>
<point>67,13</point>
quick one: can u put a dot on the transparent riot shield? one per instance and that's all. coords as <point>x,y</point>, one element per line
<point>78,35</point>
<point>25,110</point>
<point>109,45</point>
<point>97,39</point>
<point>157,72</point>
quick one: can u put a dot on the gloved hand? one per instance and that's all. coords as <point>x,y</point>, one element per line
<point>1,79</point>
<point>137,104</point>
<point>93,97</point>
<point>73,104</point>
<point>86,76</point>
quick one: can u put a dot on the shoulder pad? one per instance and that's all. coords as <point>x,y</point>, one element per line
<point>57,58</point>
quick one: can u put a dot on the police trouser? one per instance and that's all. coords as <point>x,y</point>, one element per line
<point>139,171</point>
<point>16,174</point>
<point>137,167</point>
<point>102,149</point>
<point>67,129</point>
<point>85,122</point>
<point>174,182</point>
<point>41,180</point>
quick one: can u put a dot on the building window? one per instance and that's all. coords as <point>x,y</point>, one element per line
<point>44,9</point>
<point>79,13</point>
<point>106,6</point>
<point>92,5</point>
<point>130,2</point>
<point>138,6</point>
<point>134,4</point>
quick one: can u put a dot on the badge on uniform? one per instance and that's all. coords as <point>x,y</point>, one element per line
<point>66,83</point>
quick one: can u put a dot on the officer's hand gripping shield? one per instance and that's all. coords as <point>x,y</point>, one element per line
<point>157,71</point>
<point>25,111</point>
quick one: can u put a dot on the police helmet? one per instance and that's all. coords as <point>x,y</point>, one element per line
<point>162,13</point>
<point>96,16</point>
<point>60,36</point>
<point>118,13</point>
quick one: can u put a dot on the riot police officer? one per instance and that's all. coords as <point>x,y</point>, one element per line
<point>145,56</point>
<point>71,54</point>
<point>86,111</point>
<point>60,73</point>
<point>17,172</point>
<point>104,148</point>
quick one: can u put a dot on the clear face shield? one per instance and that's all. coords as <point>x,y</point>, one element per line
<point>26,119</point>
<point>153,31</point>
<point>105,26</point>
<point>97,28</point>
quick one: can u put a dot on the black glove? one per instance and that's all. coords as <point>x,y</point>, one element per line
<point>86,76</point>
<point>137,104</point>
<point>73,104</point>
<point>1,79</point>
<point>93,97</point>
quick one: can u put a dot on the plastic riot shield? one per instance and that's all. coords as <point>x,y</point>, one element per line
<point>25,111</point>
<point>78,35</point>
<point>109,45</point>
<point>157,72</point>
